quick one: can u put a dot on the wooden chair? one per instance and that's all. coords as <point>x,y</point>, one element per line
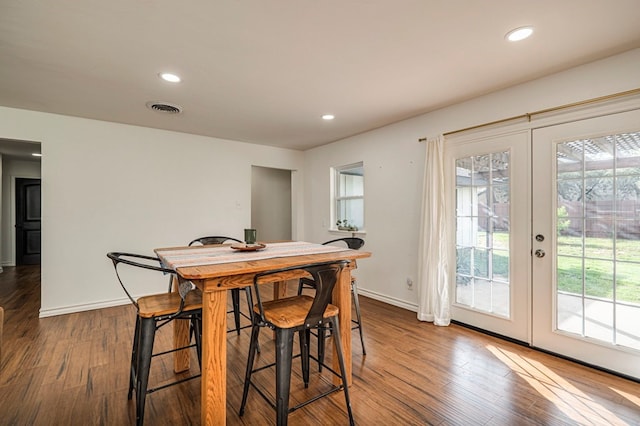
<point>286,317</point>
<point>353,243</point>
<point>235,292</point>
<point>155,311</point>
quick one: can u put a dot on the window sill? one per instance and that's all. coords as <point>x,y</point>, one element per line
<point>350,233</point>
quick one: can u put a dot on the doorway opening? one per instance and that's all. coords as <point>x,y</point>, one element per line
<point>271,203</point>
<point>17,162</point>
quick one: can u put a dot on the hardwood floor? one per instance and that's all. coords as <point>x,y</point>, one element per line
<point>73,369</point>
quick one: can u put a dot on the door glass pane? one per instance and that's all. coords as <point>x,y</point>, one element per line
<point>598,157</point>
<point>482,295</point>
<point>463,264</point>
<point>600,243</point>
<point>598,238</point>
<point>599,320</point>
<point>569,275</point>
<point>628,332</point>
<point>570,312</point>
<point>464,232</point>
<point>481,263</point>
<point>482,232</point>
<point>598,278</point>
<point>500,298</point>
<point>500,265</point>
<point>626,286</point>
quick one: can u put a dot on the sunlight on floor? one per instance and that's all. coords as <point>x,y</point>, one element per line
<point>573,403</point>
<point>635,399</point>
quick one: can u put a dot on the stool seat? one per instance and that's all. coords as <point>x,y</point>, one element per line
<point>291,311</point>
<point>157,305</point>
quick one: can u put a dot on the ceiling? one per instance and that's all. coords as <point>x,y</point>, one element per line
<point>264,71</point>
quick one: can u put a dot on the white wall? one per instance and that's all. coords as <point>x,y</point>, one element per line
<point>394,163</point>
<point>11,169</point>
<point>109,187</point>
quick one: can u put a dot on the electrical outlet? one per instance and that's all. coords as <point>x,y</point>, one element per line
<point>409,283</point>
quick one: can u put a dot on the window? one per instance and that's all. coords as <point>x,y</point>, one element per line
<point>348,192</point>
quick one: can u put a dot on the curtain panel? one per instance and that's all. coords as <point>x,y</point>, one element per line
<point>433,269</point>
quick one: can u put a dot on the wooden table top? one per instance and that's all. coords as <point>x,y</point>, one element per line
<point>229,269</point>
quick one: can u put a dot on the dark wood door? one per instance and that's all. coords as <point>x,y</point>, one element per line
<point>27,221</point>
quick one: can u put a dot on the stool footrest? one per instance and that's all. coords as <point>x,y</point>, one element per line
<point>177,382</point>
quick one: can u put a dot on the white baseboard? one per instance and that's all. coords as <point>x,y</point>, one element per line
<point>63,310</point>
<point>387,299</point>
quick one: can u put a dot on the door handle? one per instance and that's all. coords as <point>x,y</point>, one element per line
<point>539,253</point>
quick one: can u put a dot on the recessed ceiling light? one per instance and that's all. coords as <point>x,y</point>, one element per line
<point>167,76</point>
<point>36,154</point>
<point>328,117</point>
<point>519,33</point>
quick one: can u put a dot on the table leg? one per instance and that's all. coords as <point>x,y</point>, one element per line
<point>181,359</point>
<point>280,289</point>
<point>342,299</point>
<point>214,358</point>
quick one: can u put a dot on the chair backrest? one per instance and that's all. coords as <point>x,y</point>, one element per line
<point>353,243</point>
<point>325,276</point>
<point>144,262</point>
<point>213,240</point>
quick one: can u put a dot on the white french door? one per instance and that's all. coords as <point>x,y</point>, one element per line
<point>586,241</point>
<point>547,226</point>
<point>488,184</point>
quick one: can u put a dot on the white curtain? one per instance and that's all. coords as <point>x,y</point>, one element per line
<point>433,269</point>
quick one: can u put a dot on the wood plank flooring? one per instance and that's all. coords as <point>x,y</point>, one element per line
<point>73,369</point>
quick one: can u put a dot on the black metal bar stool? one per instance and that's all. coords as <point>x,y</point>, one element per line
<point>353,243</point>
<point>153,312</point>
<point>286,317</point>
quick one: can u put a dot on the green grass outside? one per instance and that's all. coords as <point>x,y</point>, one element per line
<point>599,267</point>
<point>598,271</point>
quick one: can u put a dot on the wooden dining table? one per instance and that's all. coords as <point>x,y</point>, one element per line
<point>217,269</point>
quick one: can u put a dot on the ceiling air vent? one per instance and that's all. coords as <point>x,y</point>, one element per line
<point>164,107</point>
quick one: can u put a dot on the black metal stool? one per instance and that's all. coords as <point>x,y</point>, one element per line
<point>153,312</point>
<point>353,243</point>
<point>286,317</point>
